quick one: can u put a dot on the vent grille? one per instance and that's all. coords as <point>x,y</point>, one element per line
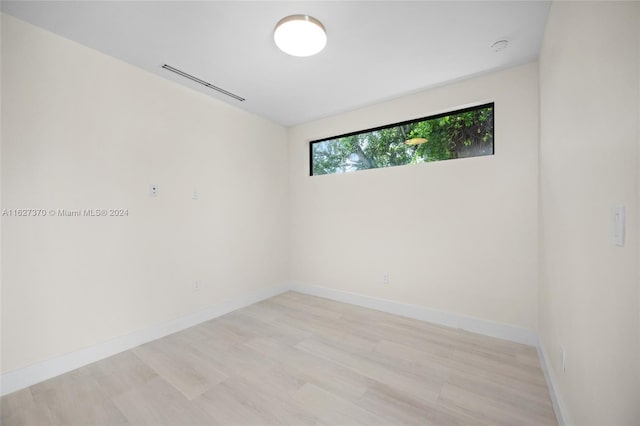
<point>204,83</point>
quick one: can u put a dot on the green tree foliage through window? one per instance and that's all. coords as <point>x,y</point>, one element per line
<point>459,134</point>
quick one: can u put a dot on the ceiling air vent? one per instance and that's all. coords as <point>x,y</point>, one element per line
<point>204,83</point>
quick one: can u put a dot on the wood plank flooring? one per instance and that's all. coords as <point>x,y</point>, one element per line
<point>299,360</point>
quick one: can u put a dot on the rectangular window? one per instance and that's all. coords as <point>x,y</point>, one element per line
<point>458,134</point>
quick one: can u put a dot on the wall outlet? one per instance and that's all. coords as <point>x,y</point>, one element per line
<point>196,285</point>
<point>153,190</point>
<point>385,278</point>
<point>195,195</point>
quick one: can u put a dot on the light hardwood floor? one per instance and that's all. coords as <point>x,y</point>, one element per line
<point>296,360</point>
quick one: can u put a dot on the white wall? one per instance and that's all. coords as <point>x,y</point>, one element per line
<point>84,130</point>
<point>589,295</point>
<point>458,235</point>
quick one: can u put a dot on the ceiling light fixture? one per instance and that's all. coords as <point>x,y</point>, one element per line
<point>300,35</point>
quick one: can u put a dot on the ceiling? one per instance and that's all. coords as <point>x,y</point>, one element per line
<point>375,50</point>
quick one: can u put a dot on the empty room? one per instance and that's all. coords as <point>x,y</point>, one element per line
<point>320,213</point>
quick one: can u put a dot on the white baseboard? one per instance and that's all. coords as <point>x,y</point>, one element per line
<point>449,319</point>
<point>558,406</point>
<point>25,377</point>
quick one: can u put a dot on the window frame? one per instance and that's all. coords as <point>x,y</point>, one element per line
<point>402,123</point>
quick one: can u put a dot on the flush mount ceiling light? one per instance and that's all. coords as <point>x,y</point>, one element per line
<point>300,35</point>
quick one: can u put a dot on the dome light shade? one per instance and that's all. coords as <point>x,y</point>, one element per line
<point>300,35</point>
